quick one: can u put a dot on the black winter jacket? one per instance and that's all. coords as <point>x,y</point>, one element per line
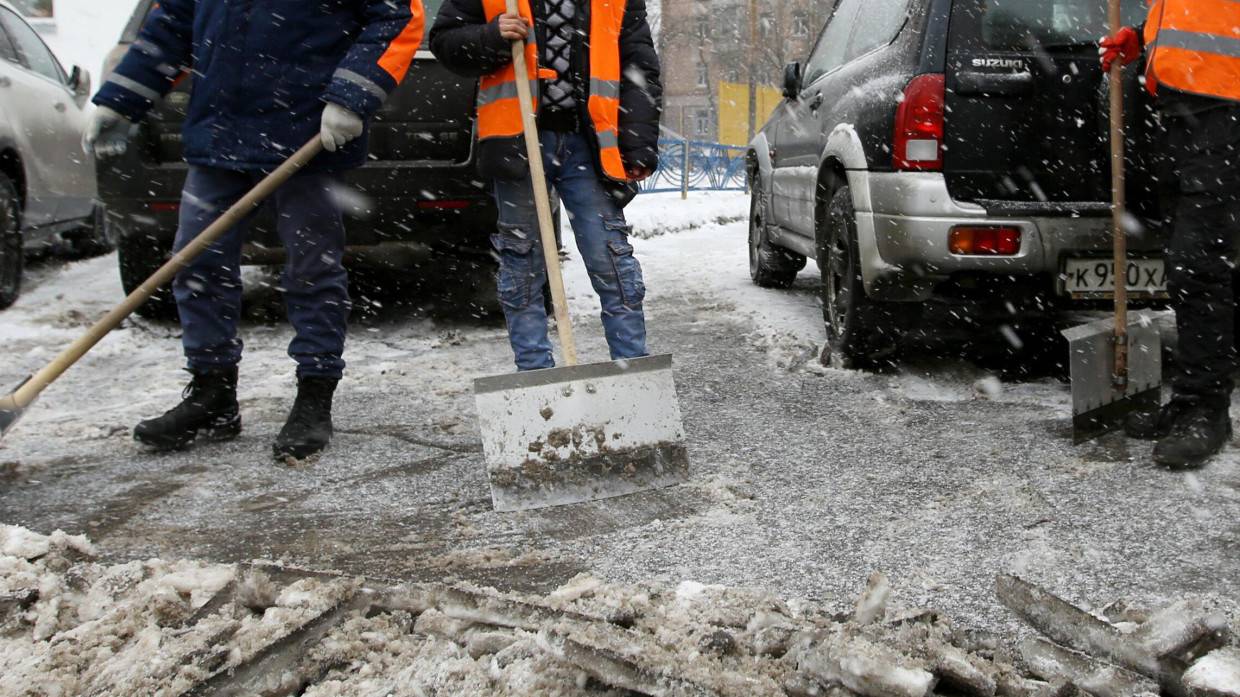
<point>465,43</point>
<point>263,70</point>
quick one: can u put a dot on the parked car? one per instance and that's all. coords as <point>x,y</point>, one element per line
<point>947,150</point>
<point>47,186</point>
<point>417,206</point>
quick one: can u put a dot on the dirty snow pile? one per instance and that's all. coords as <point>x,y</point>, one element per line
<point>70,625</point>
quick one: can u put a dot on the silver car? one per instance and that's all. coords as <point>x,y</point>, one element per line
<point>932,153</point>
<point>47,185</point>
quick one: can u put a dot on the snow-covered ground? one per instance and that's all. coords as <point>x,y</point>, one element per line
<point>805,479</point>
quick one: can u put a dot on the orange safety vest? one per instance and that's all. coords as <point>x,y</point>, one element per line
<point>1194,46</point>
<point>499,109</point>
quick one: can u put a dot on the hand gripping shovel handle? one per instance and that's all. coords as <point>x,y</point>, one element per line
<point>542,200</point>
<point>12,406</point>
<point>1118,213</point>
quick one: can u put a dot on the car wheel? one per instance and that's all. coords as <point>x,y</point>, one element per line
<point>769,266</point>
<point>861,333</point>
<point>138,257</point>
<point>12,255</point>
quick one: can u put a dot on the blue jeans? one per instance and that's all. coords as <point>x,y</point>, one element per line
<point>315,284</point>
<point>602,239</point>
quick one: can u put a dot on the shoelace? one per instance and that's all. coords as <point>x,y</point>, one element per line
<point>186,394</point>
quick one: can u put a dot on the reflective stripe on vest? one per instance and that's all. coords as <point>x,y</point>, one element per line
<point>1194,46</point>
<point>606,21</point>
<point>499,109</point>
<point>499,112</point>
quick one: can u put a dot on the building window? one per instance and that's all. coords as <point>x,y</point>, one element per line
<point>35,8</point>
<point>701,123</point>
<point>703,27</point>
<point>703,75</point>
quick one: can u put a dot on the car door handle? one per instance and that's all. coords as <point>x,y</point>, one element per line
<point>60,106</point>
<point>1002,84</point>
<point>5,82</point>
<point>816,102</point>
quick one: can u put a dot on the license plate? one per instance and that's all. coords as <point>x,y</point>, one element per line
<point>1095,278</point>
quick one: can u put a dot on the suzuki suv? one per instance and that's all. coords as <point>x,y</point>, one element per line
<point>950,150</point>
<point>416,207</point>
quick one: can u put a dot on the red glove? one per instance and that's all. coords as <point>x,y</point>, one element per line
<point>637,174</point>
<point>1124,45</point>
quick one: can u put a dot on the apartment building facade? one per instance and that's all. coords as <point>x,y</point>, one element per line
<point>708,58</point>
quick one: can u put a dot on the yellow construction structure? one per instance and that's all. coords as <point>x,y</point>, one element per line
<point>734,110</point>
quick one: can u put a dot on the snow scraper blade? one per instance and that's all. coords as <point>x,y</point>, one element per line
<point>581,433</point>
<point>1099,405</point>
<point>12,408</point>
<point>1117,362</point>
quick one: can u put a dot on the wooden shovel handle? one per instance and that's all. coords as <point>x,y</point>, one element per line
<point>1118,209</point>
<point>239,210</point>
<point>542,199</point>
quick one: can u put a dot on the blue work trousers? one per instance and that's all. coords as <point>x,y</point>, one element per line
<point>314,283</point>
<point>602,239</point>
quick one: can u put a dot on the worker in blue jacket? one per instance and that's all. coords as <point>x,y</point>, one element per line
<point>267,77</point>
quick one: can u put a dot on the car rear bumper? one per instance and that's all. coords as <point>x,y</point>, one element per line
<point>904,220</point>
<point>393,208</point>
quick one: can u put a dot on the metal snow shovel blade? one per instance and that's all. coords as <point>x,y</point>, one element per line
<point>1099,403</point>
<point>10,411</point>
<point>581,432</point>
<point>14,405</point>
<point>1116,364</point>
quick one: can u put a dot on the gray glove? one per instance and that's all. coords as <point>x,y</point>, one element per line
<point>340,126</point>
<point>107,134</point>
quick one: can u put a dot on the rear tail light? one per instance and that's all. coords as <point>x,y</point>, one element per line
<point>164,206</point>
<point>919,124</point>
<point>444,204</point>
<point>984,240</point>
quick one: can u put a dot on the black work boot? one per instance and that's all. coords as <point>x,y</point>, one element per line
<point>1152,425</point>
<point>208,410</point>
<point>1196,435</point>
<point>309,426</point>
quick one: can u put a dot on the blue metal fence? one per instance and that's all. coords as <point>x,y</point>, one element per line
<point>711,167</point>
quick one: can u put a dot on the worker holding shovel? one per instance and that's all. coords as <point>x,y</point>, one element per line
<point>1193,67</point>
<point>599,102</point>
<point>267,78</point>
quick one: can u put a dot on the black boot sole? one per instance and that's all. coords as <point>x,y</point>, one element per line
<point>1181,464</point>
<point>1177,464</point>
<point>213,433</point>
<point>283,453</point>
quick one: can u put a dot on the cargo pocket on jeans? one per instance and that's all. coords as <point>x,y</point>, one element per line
<point>628,272</point>
<point>516,270</point>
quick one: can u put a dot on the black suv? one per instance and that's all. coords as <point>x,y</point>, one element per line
<point>417,204</point>
<point>951,150</point>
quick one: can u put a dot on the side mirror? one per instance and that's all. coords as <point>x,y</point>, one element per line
<point>79,81</point>
<point>792,80</point>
